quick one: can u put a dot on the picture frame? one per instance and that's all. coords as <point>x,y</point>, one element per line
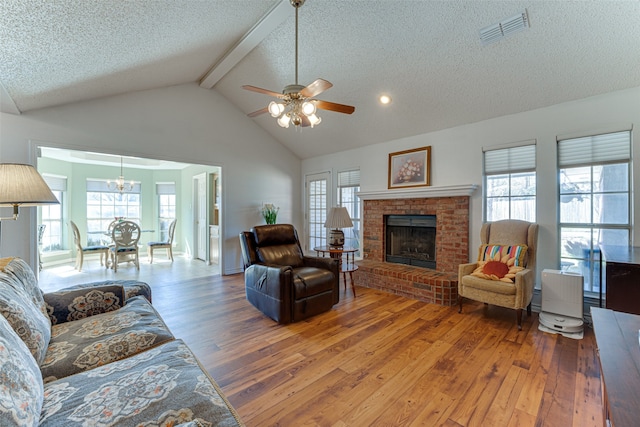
<point>410,168</point>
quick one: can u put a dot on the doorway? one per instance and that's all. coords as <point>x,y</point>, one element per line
<point>78,167</point>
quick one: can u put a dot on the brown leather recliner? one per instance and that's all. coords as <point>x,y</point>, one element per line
<point>280,281</point>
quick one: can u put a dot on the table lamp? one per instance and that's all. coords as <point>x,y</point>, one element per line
<point>22,185</point>
<point>337,218</point>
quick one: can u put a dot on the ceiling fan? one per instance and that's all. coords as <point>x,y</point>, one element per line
<point>297,104</point>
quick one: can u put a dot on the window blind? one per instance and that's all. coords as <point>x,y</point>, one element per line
<point>508,160</point>
<point>349,178</point>
<point>588,150</point>
<point>56,183</point>
<point>165,188</point>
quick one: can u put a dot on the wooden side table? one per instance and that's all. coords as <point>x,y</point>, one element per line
<point>347,265</point>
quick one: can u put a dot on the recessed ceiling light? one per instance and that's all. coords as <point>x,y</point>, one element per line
<point>385,99</point>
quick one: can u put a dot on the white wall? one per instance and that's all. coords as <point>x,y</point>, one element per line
<point>184,123</point>
<point>456,157</point>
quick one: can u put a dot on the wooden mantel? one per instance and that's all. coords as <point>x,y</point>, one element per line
<point>417,193</point>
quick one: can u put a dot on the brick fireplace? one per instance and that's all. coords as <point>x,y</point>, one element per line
<point>450,206</point>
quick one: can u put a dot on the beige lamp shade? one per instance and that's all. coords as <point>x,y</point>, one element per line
<point>22,185</point>
<point>337,218</point>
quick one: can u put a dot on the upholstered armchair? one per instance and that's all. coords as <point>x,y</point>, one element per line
<point>505,272</point>
<point>280,281</point>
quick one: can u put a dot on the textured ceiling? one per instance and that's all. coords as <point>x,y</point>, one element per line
<point>426,54</point>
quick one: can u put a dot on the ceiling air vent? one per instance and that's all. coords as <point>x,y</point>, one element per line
<point>508,26</point>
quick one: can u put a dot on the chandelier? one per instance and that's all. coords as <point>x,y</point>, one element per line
<point>119,184</point>
<point>294,107</point>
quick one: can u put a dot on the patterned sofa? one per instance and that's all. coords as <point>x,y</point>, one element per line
<point>96,354</point>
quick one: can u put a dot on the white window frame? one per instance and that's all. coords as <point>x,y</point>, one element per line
<point>111,204</point>
<point>317,193</point>
<point>348,186</point>
<point>58,186</point>
<point>586,153</point>
<point>166,196</point>
<point>512,162</point>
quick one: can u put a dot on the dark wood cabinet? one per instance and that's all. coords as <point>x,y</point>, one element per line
<point>619,354</point>
<point>621,266</point>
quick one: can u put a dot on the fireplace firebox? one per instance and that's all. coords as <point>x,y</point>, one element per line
<point>411,240</point>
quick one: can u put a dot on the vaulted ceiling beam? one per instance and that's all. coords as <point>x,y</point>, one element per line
<point>276,16</point>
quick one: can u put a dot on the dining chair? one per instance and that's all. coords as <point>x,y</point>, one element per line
<point>125,235</point>
<point>81,250</point>
<point>168,244</point>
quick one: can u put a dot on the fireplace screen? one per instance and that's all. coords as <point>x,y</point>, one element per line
<point>411,239</point>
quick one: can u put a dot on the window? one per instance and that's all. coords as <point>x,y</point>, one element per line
<point>104,205</point>
<point>348,186</point>
<point>51,215</point>
<point>316,187</point>
<point>595,202</point>
<point>510,183</point>
<point>166,207</point>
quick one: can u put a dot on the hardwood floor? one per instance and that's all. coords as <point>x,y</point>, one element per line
<point>378,359</point>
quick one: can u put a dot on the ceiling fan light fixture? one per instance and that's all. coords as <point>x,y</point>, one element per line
<point>314,120</point>
<point>308,108</point>
<point>284,120</point>
<point>276,108</point>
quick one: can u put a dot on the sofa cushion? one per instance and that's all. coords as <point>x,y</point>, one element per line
<point>132,288</point>
<point>493,286</point>
<point>69,305</point>
<point>26,320</point>
<point>21,389</point>
<point>20,276</point>
<point>160,387</point>
<point>103,338</point>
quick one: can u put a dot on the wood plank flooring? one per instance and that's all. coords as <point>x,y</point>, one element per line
<point>374,360</point>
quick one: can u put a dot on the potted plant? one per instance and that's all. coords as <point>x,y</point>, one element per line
<point>269,213</point>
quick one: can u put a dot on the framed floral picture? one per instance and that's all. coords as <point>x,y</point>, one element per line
<point>410,168</point>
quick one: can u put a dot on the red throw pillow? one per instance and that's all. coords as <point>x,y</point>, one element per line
<point>496,268</point>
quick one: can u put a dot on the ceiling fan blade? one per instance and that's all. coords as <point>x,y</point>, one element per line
<point>257,113</point>
<point>315,88</point>
<point>305,121</point>
<point>260,90</point>
<point>332,106</point>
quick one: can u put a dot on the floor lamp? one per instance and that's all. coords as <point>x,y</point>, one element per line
<point>22,185</point>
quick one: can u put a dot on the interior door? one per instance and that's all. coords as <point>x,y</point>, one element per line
<point>200,220</point>
<point>317,199</point>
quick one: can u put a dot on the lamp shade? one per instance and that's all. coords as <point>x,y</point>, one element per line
<point>338,217</point>
<point>22,185</point>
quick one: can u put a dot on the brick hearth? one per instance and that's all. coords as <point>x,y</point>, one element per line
<point>439,285</point>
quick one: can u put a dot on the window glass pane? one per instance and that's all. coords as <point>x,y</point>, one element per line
<point>523,208</point>
<point>497,208</point>
<point>575,180</point>
<point>611,178</point>
<point>497,185</point>
<point>575,208</point>
<point>523,184</point>
<point>611,208</point>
